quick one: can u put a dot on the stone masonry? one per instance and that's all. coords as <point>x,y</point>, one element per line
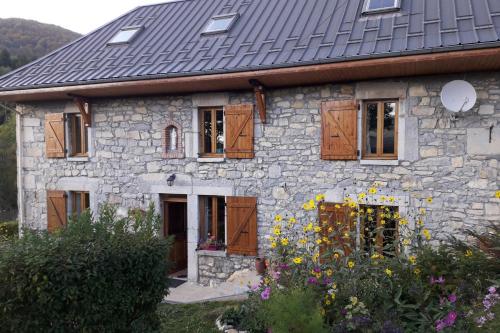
<point>453,158</point>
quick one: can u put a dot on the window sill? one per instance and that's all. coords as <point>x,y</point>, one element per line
<point>211,159</point>
<point>78,159</point>
<point>379,162</point>
<point>209,253</point>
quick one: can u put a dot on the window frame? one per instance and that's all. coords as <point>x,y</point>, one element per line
<point>379,155</point>
<point>367,10</point>
<point>84,136</point>
<point>213,121</point>
<point>233,16</point>
<point>213,224</point>
<point>84,201</point>
<point>137,29</point>
<point>379,240</point>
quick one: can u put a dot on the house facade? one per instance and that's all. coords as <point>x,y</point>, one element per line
<point>220,153</point>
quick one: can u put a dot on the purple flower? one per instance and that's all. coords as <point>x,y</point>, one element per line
<point>490,315</point>
<point>481,321</point>
<point>276,275</point>
<point>487,304</point>
<point>440,325</point>
<point>327,280</point>
<point>440,280</point>
<point>452,298</point>
<point>312,280</point>
<point>255,287</point>
<point>449,320</point>
<point>266,293</point>
<point>284,267</point>
<point>343,312</point>
<point>317,270</point>
<point>492,290</point>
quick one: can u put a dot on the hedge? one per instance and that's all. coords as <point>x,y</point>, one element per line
<point>9,230</point>
<point>106,275</point>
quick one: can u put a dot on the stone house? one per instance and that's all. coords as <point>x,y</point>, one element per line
<point>224,113</point>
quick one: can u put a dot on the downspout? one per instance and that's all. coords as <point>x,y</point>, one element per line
<point>20,191</point>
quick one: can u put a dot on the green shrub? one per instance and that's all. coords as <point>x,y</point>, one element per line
<point>104,275</point>
<point>9,230</point>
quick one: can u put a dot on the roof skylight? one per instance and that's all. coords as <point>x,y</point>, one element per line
<point>372,6</point>
<point>220,23</point>
<point>125,35</point>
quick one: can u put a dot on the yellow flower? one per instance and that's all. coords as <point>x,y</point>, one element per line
<point>413,260</point>
<point>350,264</point>
<point>303,241</point>
<point>329,272</point>
<point>417,271</point>
<point>292,220</point>
<point>284,241</point>
<point>316,256</point>
<point>297,260</point>
<point>317,229</point>
<point>309,227</point>
<point>322,207</point>
<point>354,300</point>
<point>327,302</point>
<point>352,204</point>
<point>382,222</point>
<point>406,242</point>
<point>272,239</point>
<point>278,218</point>
<point>369,210</point>
<point>388,272</point>
<point>429,200</point>
<point>330,230</point>
<point>375,256</point>
<point>403,222</point>
<point>392,199</point>
<point>322,312</point>
<point>422,211</point>
<point>337,206</point>
<point>383,198</point>
<point>320,197</point>
<point>319,241</point>
<point>361,196</point>
<point>336,255</point>
<point>420,223</point>
<point>273,245</point>
<point>267,280</point>
<point>352,214</point>
<point>312,204</point>
<point>372,190</point>
<point>497,194</point>
<point>277,230</point>
<point>427,234</point>
<point>468,253</point>
<point>333,295</point>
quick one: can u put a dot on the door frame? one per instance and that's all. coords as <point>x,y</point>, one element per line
<point>166,200</point>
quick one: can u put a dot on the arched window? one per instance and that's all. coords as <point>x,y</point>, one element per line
<point>173,141</point>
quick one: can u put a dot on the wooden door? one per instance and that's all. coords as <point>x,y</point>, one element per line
<point>175,224</point>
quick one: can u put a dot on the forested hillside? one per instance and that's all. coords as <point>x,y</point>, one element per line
<point>21,41</point>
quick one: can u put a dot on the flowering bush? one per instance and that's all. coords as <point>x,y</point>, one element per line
<point>372,268</point>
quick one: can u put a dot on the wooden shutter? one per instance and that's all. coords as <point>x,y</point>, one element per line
<point>338,218</point>
<point>339,130</point>
<point>239,131</point>
<point>242,225</point>
<point>56,210</point>
<point>54,135</point>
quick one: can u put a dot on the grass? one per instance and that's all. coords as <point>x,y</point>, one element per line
<point>192,318</point>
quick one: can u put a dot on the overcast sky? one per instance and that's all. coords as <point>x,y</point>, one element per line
<point>79,16</point>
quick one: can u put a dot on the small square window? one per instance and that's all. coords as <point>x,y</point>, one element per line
<point>380,130</point>
<point>212,223</point>
<point>219,24</point>
<point>374,6</point>
<point>211,132</point>
<point>125,35</point>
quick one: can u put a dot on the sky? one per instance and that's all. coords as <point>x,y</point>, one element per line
<point>79,16</point>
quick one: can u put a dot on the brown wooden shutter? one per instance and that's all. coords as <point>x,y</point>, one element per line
<point>239,131</point>
<point>338,217</point>
<point>242,225</point>
<point>56,210</point>
<point>54,135</point>
<point>339,130</point>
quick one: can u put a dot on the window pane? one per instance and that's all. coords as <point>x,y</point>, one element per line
<point>379,4</point>
<point>87,201</point>
<point>371,128</point>
<point>221,216</point>
<point>86,140</point>
<point>390,230</point>
<point>219,24</point>
<point>207,127</point>
<point>207,219</point>
<point>389,127</point>
<point>123,36</point>
<point>77,132</point>
<point>78,204</point>
<point>220,132</point>
<point>172,132</point>
<point>369,223</point>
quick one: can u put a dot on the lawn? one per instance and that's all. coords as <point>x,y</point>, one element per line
<point>192,318</point>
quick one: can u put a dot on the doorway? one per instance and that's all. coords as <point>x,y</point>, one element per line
<point>175,224</point>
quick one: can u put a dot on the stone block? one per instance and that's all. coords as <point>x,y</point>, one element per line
<point>423,111</point>
<point>480,141</point>
<point>426,152</point>
<point>486,109</point>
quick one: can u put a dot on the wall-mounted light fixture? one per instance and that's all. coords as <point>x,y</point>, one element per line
<point>170,180</point>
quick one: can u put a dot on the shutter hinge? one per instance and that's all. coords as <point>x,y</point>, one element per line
<point>358,152</point>
<point>359,106</point>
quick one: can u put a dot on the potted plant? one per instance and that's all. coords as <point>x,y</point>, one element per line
<point>260,265</point>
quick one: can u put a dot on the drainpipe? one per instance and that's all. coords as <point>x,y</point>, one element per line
<point>20,192</point>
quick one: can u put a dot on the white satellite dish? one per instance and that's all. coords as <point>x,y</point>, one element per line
<point>458,96</point>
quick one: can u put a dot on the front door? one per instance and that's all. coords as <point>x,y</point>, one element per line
<point>175,224</point>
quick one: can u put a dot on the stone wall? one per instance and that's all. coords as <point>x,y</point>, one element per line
<point>214,268</point>
<point>449,157</point>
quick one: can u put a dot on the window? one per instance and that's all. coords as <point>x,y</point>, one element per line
<point>380,128</point>
<point>220,24</point>
<point>80,201</point>
<point>125,35</point>
<point>211,132</point>
<point>172,144</point>
<point>378,229</point>
<point>381,5</point>
<point>78,135</point>
<point>212,223</point>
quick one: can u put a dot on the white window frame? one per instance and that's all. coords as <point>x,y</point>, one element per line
<point>233,16</point>
<point>366,8</point>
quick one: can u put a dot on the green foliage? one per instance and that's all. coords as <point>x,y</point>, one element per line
<point>8,188</point>
<point>98,275</point>
<point>9,230</point>
<point>294,310</point>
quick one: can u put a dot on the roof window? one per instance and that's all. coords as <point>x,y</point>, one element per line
<point>220,24</point>
<point>377,6</point>
<point>125,35</point>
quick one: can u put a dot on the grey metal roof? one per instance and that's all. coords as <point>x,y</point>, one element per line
<point>268,34</point>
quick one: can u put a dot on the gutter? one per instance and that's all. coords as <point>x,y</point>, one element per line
<point>20,191</point>
<point>437,50</point>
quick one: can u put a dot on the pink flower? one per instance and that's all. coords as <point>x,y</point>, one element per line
<point>440,325</point>
<point>265,294</point>
<point>452,298</point>
<point>450,318</point>
<point>492,290</point>
<point>312,280</point>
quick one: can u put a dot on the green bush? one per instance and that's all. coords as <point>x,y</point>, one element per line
<point>104,275</point>
<point>9,230</point>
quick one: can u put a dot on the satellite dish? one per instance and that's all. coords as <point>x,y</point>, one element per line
<point>458,96</point>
